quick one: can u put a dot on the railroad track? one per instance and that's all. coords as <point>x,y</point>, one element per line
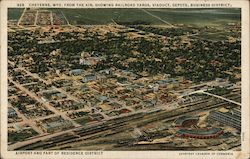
<point>115,126</point>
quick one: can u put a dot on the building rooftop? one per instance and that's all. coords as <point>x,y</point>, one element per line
<point>200,131</point>
<point>181,119</point>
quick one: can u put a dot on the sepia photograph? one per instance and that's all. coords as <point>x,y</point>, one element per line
<point>124,79</point>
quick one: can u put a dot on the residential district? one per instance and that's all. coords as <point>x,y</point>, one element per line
<point>121,86</point>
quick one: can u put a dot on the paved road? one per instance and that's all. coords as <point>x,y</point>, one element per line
<point>51,18</point>
<point>37,12</point>
<point>46,117</point>
<point>57,89</point>
<point>30,122</point>
<point>69,96</point>
<point>20,19</point>
<point>164,21</point>
<point>213,95</point>
<point>65,18</point>
<point>151,118</point>
<point>47,105</point>
<point>46,82</point>
<point>220,97</point>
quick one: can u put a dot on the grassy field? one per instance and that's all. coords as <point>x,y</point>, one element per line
<point>105,16</point>
<point>156,16</point>
<point>198,17</point>
<point>14,13</point>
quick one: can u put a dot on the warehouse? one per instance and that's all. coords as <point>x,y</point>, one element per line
<point>228,117</point>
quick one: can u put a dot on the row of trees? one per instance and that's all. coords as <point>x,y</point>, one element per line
<point>202,60</point>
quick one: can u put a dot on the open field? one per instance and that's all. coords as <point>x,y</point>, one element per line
<point>14,13</point>
<point>213,17</point>
<point>199,17</point>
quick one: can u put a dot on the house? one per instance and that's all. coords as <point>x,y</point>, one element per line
<point>106,71</point>
<point>169,83</point>
<point>11,112</point>
<point>76,72</point>
<point>102,98</point>
<point>89,77</point>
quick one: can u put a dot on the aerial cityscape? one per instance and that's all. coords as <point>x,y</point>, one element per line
<point>124,79</point>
